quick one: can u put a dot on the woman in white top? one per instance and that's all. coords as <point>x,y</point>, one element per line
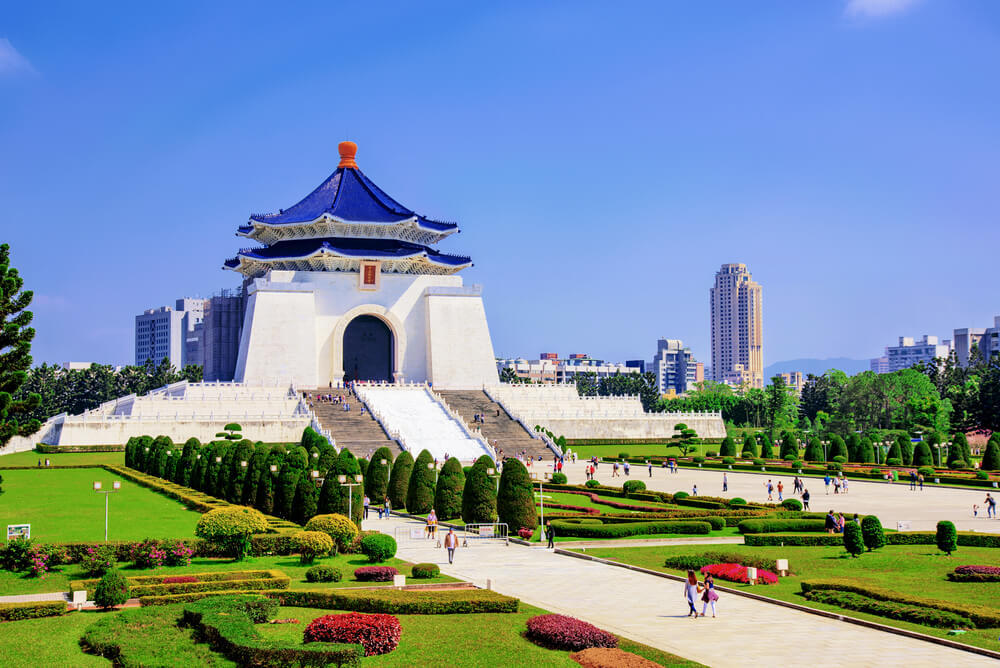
<point>691,589</point>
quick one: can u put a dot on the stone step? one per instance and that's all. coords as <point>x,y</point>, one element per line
<point>508,433</point>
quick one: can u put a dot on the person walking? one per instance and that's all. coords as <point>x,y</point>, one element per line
<point>913,481</point>
<point>431,524</point>
<point>626,467</point>
<point>805,498</point>
<point>691,589</point>
<point>920,481</point>
<point>388,508</point>
<point>450,543</point>
<point>831,522</point>
<point>694,490</point>
<point>550,534</point>
<point>649,465</point>
<point>725,482</point>
<point>770,489</point>
<point>826,481</point>
<point>781,488</point>
<point>991,506</point>
<point>367,503</point>
<point>708,595</point>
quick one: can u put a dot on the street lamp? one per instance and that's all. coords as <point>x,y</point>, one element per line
<point>492,473</point>
<point>343,480</point>
<point>115,486</point>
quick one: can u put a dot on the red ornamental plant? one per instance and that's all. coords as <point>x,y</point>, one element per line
<point>569,633</point>
<point>525,533</point>
<point>375,573</point>
<point>378,634</point>
<point>179,579</point>
<point>977,570</point>
<point>738,573</point>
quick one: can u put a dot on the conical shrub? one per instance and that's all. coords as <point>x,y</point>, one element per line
<point>377,475</point>
<point>399,480</point>
<point>448,493</point>
<point>516,501</point>
<point>420,492</point>
<point>479,498</point>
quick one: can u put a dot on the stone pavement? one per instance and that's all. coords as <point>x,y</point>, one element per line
<point>891,503</point>
<point>35,598</point>
<point>651,610</point>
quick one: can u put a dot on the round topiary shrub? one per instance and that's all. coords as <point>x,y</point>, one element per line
<point>959,464</point>
<point>871,533</point>
<point>758,462</point>
<point>378,633</point>
<point>378,547</point>
<point>789,458</point>
<point>112,590</point>
<point>230,528</point>
<point>834,467</point>
<point>798,463</point>
<point>323,573</point>
<point>633,486</point>
<point>681,495</point>
<point>946,537</point>
<point>375,573</point>
<point>425,571</point>
<point>711,453</point>
<point>592,484</point>
<point>894,461</point>
<point>853,539</point>
<point>312,544</point>
<point>698,460</point>
<point>792,504</point>
<point>926,471</point>
<point>982,475</point>
<point>559,478</point>
<point>729,460</point>
<point>338,527</point>
<point>840,459</point>
<point>568,633</point>
<point>737,501</point>
<point>622,455</point>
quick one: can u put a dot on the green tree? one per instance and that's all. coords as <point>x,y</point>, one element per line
<point>377,475</point>
<point>749,447</point>
<point>188,458</point>
<point>479,497</point>
<point>853,540</point>
<point>516,499</point>
<point>341,499</point>
<point>871,533</point>
<point>448,493</point>
<point>780,405</point>
<point>420,492</point>
<point>15,354</point>
<point>766,446</point>
<point>959,450</point>
<point>266,486</point>
<point>854,450</point>
<point>238,473</point>
<point>814,450</point>
<point>684,439</point>
<point>837,447</point>
<point>728,447</point>
<point>922,455</point>
<point>258,464</point>
<point>991,460</point>
<point>306,498</point>
<point>789,445</point>
<point>867,451</point>
<point>292,469</point>
<point>905,448</point>
<point>895,452</point>
<point>399,480</point>
<point>946,537</point>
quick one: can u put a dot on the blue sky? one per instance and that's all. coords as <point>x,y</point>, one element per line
<point>603,159</point>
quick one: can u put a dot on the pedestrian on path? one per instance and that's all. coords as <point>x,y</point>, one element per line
<point>367,503</point>
<point>450,543</point>
<point>431,524</point>
<point>826,481</point>
<point>626,467</point>
<point>805,498</point>
<point>781,488</point>
<point>991,506</point>
<point>708,595</point>
<point>913,481</point>
<point>550,534</point>
<point>920,482</point>
<point>388,508</point>
<point>725,482</point>
<point>694,490</point>
<point>691,589</point>
<point>614,470</point>
<point>770,488</point>
<point>649,465</point>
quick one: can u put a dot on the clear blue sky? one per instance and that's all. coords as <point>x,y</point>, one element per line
<point>603,159</point>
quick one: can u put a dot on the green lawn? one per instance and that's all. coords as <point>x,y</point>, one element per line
<point>583,501</point>
<point>51,641</point>
<point>918,570</point>
<point>31,458</point>
<point>62,506</point>
<point>58,580</point>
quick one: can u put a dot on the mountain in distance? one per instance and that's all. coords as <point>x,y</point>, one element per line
<point>816,367</point>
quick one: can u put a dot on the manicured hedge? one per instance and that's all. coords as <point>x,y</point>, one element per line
<point>400,602</point>
<point>375,573</point>
<point>12,612</point>
<point>153,585</point>
<point>695,562</point>
<point>975,574</point>
<point>792,540</point>
<point>55,449</point>
<point>766,525</point>
<point>891,609</point>
<point>568,633</point>
<point>620,529</point>
<point>425,571</point>
<point>981,616</point>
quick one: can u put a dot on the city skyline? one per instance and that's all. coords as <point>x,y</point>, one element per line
<point>802,139</point>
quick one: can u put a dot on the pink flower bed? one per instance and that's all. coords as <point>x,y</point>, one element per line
<point>977,570</point>
<point>378,634</point>
<point>738,573</point>
<point>569,633</point>
<point>375,573</point>
<point>178,579</point>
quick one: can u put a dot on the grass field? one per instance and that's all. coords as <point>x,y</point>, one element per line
<point>583,501</point>
<point>31,458</point>
<point>918,570</point>
<point>52,641</point>
<point>61,506</point>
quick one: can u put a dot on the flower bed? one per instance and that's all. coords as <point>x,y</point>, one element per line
<point>738,573</point>
<point>375,573</point>
<point>568,633</point>
<point>975,574</point>
<point>157,585</point>
<point>178,579</point>
<point>378,633</point>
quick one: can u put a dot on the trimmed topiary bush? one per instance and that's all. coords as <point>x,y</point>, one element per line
<point>729,460</point>
<point>728,447</point>
<point>420,492</point>
<point>230,528</point>
<point>592,484</point>
<point>559,478</point>
<point>312,544</point>
<point>946,537</point>
<point>631,486</point>
<point>375,573</point>
<point>399,480</point>
<point>479,497</point>
<point>568,633</point>
<point>991,458</point>
<point>338,527</point>
<point>323,573</point>
<point>516,502</point>
<point>425,571</point>
<point>680,495</point>
<point>737,501</point>
<point>871,533</point>
<point>378,633</point>
<point>448,494</point>
<point>792,504</point>
<point>840,459</point>
<point>922,455</point>
<point>853,540</point>
<point>894,461</point>
<point>377,475</point>
<point>112,590</point>
<point>378,547</point>
<point>749,447</point>
<point>622,455</point>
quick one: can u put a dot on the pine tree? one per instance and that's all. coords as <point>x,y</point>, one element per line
<point>420,492</point>
<point>789,445</point>
<point>837,447</point>
<point>854,451</point>
<point>814,450</point>
<point>991,460</point>
<point>292,469</point>
<point>258,465</point>
<point>237,474</point>
<point>728,447</point>
<point>922,455</point>
<point>853,540</point>
<point>306,497</point>
<point>905,449</point>
<point>15,353</point>
<point>766,446</point>
<point>448,493</point>
<point>189,456</point>
<point>377,476</point>
<point>895,452</point>
<point>516,500</point>
<point>749,447</point>
<point>399,480</point>
<point>479,498</point>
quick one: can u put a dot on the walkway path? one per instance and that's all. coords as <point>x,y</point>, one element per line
<point>891,503</point>
<point>651,610</point>
<point>36,598</point>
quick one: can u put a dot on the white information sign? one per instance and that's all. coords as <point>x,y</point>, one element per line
<point>902,526</point>
<point>18,531</point>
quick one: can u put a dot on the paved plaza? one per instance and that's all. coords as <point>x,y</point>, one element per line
<point>651,610</point>
<point>891,503</point>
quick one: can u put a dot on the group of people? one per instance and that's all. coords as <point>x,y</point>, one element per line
<point>615,469</point>
<point>991,507</point>
<point>480,418</point>
<point>384,509</point>
<point>703,591</point>
<point>835,523</point>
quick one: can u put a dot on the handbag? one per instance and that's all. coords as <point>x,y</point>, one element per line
<point>706,597</point>
<point>712,596</point>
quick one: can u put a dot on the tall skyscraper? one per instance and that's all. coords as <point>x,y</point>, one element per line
<point>737,332</point>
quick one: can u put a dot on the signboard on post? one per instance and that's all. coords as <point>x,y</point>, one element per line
<point>486,531</point>
<point>18,531</point>
<point>903,526</point>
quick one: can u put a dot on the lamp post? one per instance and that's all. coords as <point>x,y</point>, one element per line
<point>115,486</point>
<point>343,480</point>
<point>492,473</point>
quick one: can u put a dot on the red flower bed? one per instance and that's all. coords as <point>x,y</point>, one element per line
<point>606,502</point>
<point>375,573</point>
<point>178,579</point>
<point>738,573</point>
<point>569,633</point>
<point>580,509</point>
<point>378,634</point>
<point>978,570</point>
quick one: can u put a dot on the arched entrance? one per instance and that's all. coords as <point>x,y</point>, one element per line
<point>367,350</point>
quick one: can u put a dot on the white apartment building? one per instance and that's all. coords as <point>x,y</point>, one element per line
<point>737,329</point>
<point>910,352</point>
<point>675,369</point>
<point>550,369</point>
<point>164,331</point>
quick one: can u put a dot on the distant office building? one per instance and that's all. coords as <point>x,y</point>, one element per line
<point>220,335</point>
<point>986,340</point>
<point>910,352</point>
<point>76,366</point>
<point>548,356</point>
<point>792,379</point>
<point>549,370</point>
<point>636,365</point>
<point>675,369</point>
<point>880,364</point>
<point>163,332</point>
<point>737,329</point>
<point>989,345</point>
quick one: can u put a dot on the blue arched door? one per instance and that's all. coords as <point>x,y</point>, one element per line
<point>367,350</point>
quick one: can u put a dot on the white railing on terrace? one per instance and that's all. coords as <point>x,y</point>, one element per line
<point>531,431</point>
<point>192,417</point>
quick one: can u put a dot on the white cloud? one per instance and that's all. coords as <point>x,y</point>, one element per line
<point>876,8</point>
<point>11,61</point>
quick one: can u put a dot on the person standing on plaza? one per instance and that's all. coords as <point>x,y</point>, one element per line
<point>708,595</point>
<point>770,490</point>
<point>991,506</point>
<point>831,522</point>
<point>694,490</point>
<point>388,508</point>
<point>550,535</point>
<point>920,481</point>
<point>805,498</point>
<point>626,467</point>
<point>649,465</point>
<point>691,589</point>
<point>450,543</point>
<point>725,482</point>
<point>431,524</point>
<point>781,488</point>
<point>826,481</point>
<point>367,503</point>
<point>913,481</point>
